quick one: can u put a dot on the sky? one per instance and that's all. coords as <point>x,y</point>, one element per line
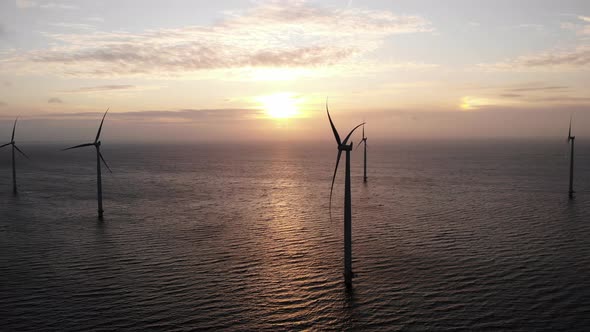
<point>202,71</point>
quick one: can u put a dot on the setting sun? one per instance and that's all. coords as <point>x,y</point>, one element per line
<point>280,105</point>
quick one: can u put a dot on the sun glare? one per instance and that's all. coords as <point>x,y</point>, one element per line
<point>472,103</point>
<point>280,105</point>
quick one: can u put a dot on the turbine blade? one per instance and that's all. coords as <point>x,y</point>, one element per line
<point>363,141</point>
<point>100,128</point>
<point>363,131</point>
<point>19,150</point>
<point>105,162</point>
<point>332,124</point>
<point>4,145</point>
<point>333,179</point>
<point>13,129</point>
<point>352,131</point>
<point>78,146</point>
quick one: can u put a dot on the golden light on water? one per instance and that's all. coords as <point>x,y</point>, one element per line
<point>280,105</point>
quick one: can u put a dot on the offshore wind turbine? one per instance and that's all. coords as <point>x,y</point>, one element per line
<point>343,146</point>
<point>14,147</point>
<point>571,140</point>
<point>364,141</point>
<point>99,158</point>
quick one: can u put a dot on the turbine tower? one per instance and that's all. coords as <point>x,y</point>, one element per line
<point>99,158</point>
<point>343,146</point>
<point>14,147</point>
<point>571,140</point>
<point>364,141</point>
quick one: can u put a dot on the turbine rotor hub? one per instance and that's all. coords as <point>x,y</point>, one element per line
<point>345,147</point>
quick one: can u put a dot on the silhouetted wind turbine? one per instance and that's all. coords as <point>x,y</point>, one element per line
<point>99,157</point>
<point>364,141</point>
<point>571,140</point>
<point>14,147</point>
<point>342,146</point>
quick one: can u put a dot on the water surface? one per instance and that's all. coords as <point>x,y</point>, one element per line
<point>446,235</point>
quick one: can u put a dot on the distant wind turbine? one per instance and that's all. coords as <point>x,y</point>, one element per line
<point>342,146</point>
<point>571,140</point>
<point>99,157</point>
<point>364,142</point>
<point>14,147</point>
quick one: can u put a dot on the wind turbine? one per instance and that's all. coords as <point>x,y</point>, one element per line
<point>364,141</point>
<point>571,140</point>
<point>14,147</point>
<point>99,157</point>
<point>343,146</point>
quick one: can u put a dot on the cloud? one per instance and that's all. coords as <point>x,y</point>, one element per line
<point>2,104</point>
<point>185,115</point>
<point>541,94</point>
<point>74,26</point>
<point>580,28</point>
<point>565,99</point>
<point>95,19</point>
<point>532,26</point>
<point>2,30</point>
<point>511,95</point>
<point>576,58</point>
<point>103,88</point>
<point>27,4</point>
<point>273,34</point>
<point>55,100</point>
<point>570,59</point>
<point>535,87</point>
<point>53,5</point>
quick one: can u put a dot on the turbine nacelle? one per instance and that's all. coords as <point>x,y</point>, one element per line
<point>345,147</point>
<point>569,133</point>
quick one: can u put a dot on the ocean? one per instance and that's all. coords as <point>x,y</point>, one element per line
<point>476,235</point>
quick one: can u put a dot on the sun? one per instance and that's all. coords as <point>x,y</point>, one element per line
<point>280,105</point>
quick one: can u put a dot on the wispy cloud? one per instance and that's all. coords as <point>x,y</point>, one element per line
<point>538,88</point>
<point>537,93</point>
<point>55,100</point>
<point>95,19</point>
<point>569,59</point>
<point>74,26</point>
<point>103,88</point>
<point>273,34</point>
<point>27,4</point>
<point>53,5</point>
<point>581,26</point>
<point>185,115</point>
<point>511,95</point>
<point>532,26</point>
